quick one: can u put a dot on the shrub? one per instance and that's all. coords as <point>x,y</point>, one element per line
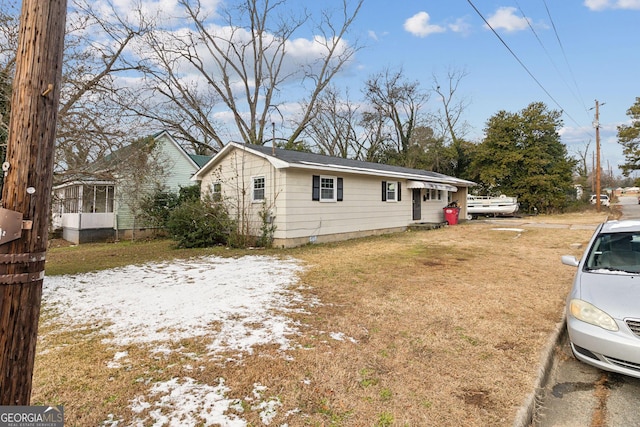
<point>267,228</point>
<point>200,223</point>
<point>189,193</point>
<point>156,207</point>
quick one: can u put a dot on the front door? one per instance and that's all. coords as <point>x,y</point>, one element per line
<point>417,204</point>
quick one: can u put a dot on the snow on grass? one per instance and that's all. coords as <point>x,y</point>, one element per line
<point>156,303</point>
<point>184,402</point>
<point>245,298</point>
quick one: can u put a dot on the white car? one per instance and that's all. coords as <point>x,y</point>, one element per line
<point>603,309</point>
<point>604,200</point>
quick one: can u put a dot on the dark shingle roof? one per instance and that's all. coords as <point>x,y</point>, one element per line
<point>301,157</point>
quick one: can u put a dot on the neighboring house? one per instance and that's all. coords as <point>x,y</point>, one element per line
<point>315,198</point>
<point>101,205</point>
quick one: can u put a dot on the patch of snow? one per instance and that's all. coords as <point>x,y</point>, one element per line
<point>267,408</point>
<point>184,402</point>
<point>115,363</point>
<point>236,302</point>
<point>340,336</point>
<point>156,303</point>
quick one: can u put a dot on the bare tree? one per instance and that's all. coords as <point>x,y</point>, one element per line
<point>375,137</point>
<point>333,127</point>
<point>582,167</point>
<point>141,168</point>
<point>449,119</point>
<point>9,17</point>
<point>90,123</point>
<point>398,101</point>
<point>451,126</point>
<point>243,67</point>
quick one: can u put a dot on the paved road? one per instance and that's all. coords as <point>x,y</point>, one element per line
<point>581,396</point>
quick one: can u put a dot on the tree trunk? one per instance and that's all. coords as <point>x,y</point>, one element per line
<point>27,191</point>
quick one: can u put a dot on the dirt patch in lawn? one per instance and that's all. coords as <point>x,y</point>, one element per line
<point>441,327</point>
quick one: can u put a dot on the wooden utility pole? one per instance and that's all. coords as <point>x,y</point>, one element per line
<point>596,124</point>
<point>26,195</point>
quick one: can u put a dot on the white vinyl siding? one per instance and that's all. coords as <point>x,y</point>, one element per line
<point>293,196</point>
<point>236,173</point>
<point>360,209</point>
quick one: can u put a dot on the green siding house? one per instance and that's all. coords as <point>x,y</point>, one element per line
<point>102,205</point>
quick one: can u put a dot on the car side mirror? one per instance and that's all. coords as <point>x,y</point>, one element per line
<point>570,260</point>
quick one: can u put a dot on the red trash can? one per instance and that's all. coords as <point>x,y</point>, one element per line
<point>451,215</point>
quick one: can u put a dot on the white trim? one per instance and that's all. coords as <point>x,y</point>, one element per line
<point>333,179</point>
<point>375,172</point>
<point>395,191</point>
<point>182,151</point>
<point>83,182</point>
<point>253,188</point>
<point>277,163</point>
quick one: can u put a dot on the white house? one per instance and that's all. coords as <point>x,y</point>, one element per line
<point>315,198</point>
<point>98,206</point>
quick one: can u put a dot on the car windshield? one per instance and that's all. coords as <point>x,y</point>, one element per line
<point>615,252</point>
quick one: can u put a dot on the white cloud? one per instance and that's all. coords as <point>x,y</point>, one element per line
<point>419,25</point>
<point>628,4</point>
<point>460,26</point>
<point>598,5</point>
<point>506,19</point>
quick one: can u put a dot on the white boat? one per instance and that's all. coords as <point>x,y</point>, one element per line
<point>488,205</point>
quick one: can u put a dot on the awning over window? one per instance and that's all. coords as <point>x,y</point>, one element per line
<point>431,185</point>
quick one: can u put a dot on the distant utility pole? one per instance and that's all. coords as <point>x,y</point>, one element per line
<point>596,124</point>
<point>26,195</point>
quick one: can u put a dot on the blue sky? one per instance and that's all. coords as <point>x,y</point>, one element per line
<point>593,53</point>
<point>565,53</point>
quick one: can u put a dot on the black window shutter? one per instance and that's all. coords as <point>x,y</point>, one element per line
<point>384,191</point>
<point>399,192</point>
<point>315,193</point>
<point>339,189</point>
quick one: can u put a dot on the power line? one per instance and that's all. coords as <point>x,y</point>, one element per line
<point>521,63</point>
<point>555,30</point>
<point>541,43</point>
<point>576,96</point>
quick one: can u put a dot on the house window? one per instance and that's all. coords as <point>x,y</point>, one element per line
<point>327,189</point>
<point>433,194</point>
<point>258,188</point>
<point>71,199</point>
<point>391,191</point>
<point>97,198</point>
<point>216,191</point>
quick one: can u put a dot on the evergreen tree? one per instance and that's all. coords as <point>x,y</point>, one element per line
<point>629,138</point>
<point>522,156</point>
